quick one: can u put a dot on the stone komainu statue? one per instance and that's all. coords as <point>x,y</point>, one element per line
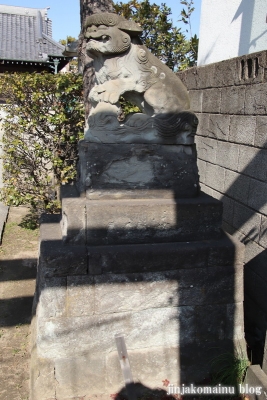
<point>124,66</point>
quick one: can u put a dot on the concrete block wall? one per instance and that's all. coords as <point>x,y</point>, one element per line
<point>229,99</point>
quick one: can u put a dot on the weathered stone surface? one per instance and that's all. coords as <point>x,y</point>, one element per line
<point>141,78</point>
<point>137,171</point>
<point>42,384</point>
<point>256,378</point>
<point>247,221</point>
<point>57,259</point>
<point>215,176</point>
<point>227,155</point>
<point>206,148</point>
<point>80,296</point>
<point>52,298</point>
<point>74,219</point>
<point>203,124</point>
<point>255,99</point>
<point>228,209</point>
<point>257,195</point>
<point>218,127</point>
<point>151,221</point>
<point>261,131</point>
<point>147,328</point>
<point>144,329</point>
<point>159,361</point>
<point>145,221</point>
<point>78,376</point>
<point>252,162</point>
<point>211,101</point>
<point>242,129</point>
<point>202,170</point>
<point>237,103</point>
<point>236,186</point>
<point>263,232</point>
<point>118,293</point>
<point>196,100</point>
<point>164,256</point>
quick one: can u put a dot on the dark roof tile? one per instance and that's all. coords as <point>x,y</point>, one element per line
<point>26,34</point>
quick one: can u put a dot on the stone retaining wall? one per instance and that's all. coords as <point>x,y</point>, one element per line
<point>229,98</point>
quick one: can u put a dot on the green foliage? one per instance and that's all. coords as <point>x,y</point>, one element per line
<point>164,40</point>
<point>69,39</point>
<point>229,369</point>
<point>43,123</point>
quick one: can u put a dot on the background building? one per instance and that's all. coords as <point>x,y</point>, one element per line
<point>231,28</point>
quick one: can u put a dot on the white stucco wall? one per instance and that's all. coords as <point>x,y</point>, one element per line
<point>231,28</point>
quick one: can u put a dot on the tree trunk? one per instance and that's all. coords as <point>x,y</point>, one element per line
<point>89,7</point>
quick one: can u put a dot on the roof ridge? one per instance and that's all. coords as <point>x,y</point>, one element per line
<point>6,9</point>
<point>53,41</point>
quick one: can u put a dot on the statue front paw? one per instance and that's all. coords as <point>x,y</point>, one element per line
<point>101,93</point>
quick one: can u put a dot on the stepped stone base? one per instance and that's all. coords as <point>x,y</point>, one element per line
<point>137,251</point>
<point>178,305</point>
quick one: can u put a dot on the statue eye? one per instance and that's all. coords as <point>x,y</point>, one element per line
<point>102,27</point>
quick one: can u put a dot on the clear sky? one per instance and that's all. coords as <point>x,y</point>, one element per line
<point>65,14</point>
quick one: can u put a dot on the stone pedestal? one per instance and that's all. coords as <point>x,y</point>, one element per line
<point>130,255</point>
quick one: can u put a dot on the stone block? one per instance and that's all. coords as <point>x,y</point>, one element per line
<point>74,219</point>
<point>206,149</point>
<point>256,378</point>
<point>211,101</point>
<point>233,100</point>
<point>42,385</point>
<point>57,259</point>
<point>242,129</point>
<point>59,337</point>
<point>255,329</point>
<point>52,298</point>
<point>256,99</point>
<point>254,253</point>
<point>203,124</point>
<point>236,186</point>
<point>227,155</point>
<point>207,189</point>
<point>255,287</point>
<point>215,176</point>
<point>147,257</point>
<point>136,292</point>
<point>264,363</point>
<point>257,196</point>
<point>202,170</point>
<point>263,232</point>
<point>160,362</point>
<point>164,256</point>
<point>206,76</point>
<point>196,100</point>
<point>252,162</point>
<point>261,131</point>
<point>75,377</point>
<point>228,209</point>
<point>257,263</point>
<point>225,73</point>
<point>219,126</point>
<point>233,253</point>
<point>80,296</point>
<point>189,78</point>
<point>128,171</point>
<point>203,353</point>
<point>247,221</point>
<point>152,221</point>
